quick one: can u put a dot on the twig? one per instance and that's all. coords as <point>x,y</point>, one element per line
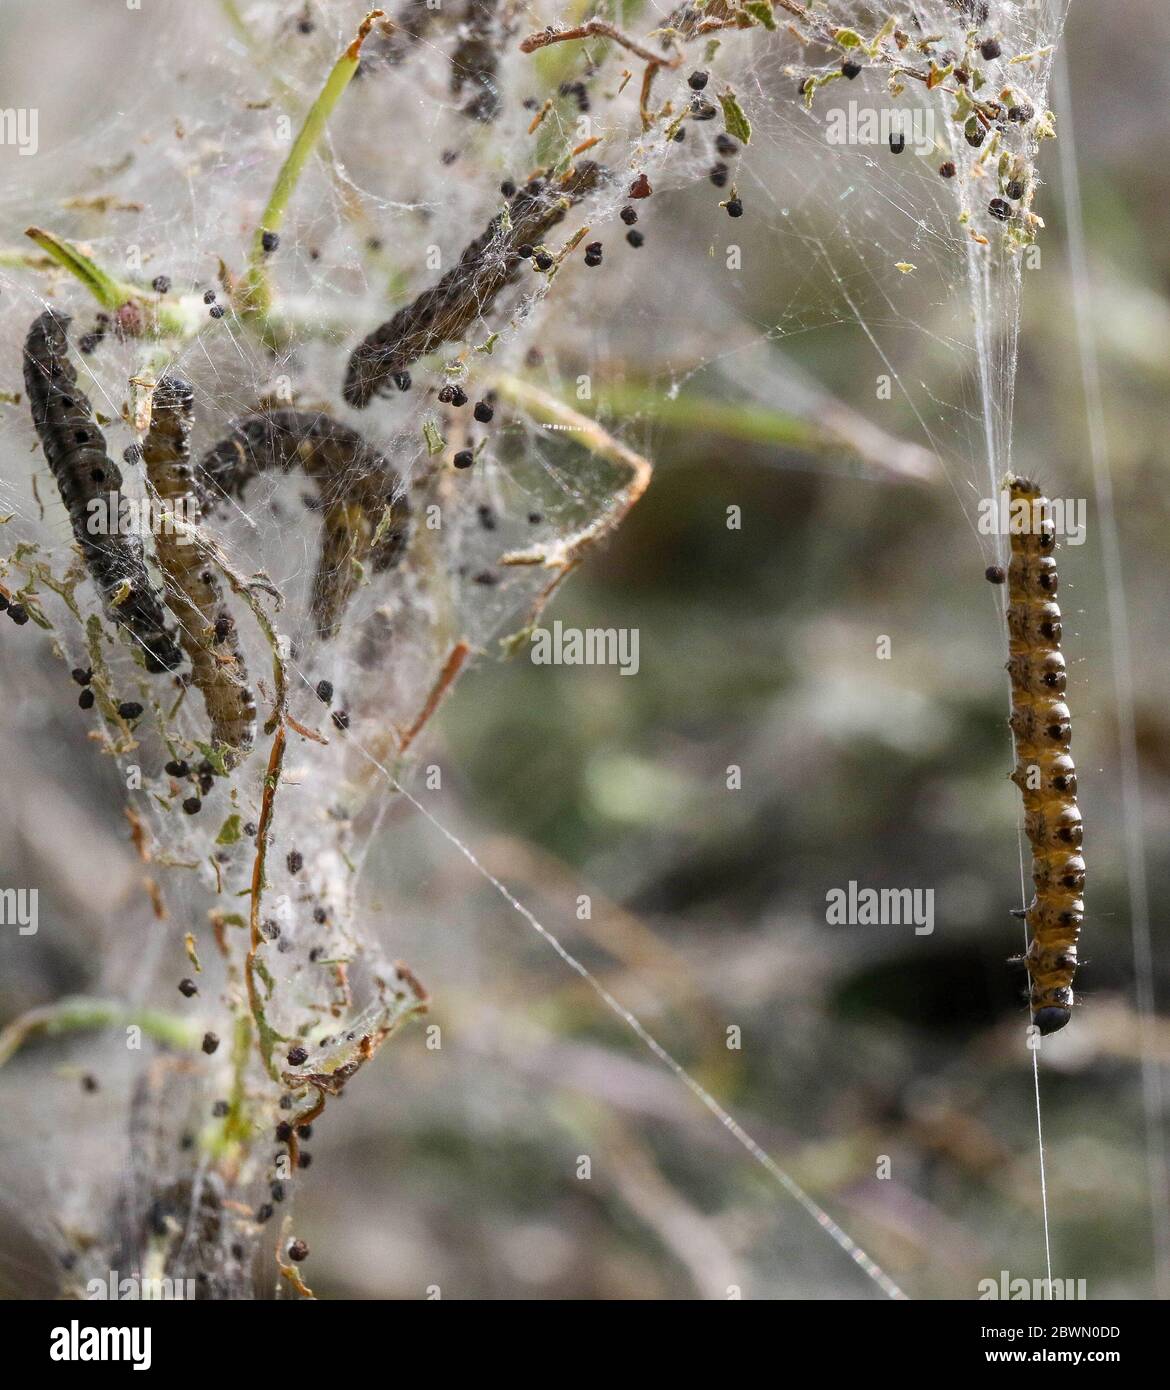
<point>565,554</point>
<point>451,669</point>
<point>299,728</point>
<point>540,115</point>
<point>265,1034</point>
<point>600,29</point>
<point>289,1271</point>
<point>603,29</point>
<point>832,427</point>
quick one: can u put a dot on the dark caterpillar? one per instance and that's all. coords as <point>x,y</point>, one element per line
<point>480,35</point>
<point>1044,772</point>
<point>76,452</point>
<point>206,629</point>
<point>366,514</point>
<point>477,57</point>
<point>469,289</point>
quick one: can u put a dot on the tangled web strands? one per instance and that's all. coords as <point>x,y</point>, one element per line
<point>369,613</point>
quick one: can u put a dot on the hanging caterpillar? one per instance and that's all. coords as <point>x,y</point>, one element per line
<point>90,483</point>
<point>1044,771</point>
<point>206,629</point>
<point>366,514</point>
<point>469,288</point>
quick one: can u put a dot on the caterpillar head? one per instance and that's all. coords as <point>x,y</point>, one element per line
<point>1051,1018</point>
<point>1021,487</point>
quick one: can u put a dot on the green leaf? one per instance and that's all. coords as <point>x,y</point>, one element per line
<point>215,755</point>
<point>158,314</point>
<point>674,127</point>
<point>383,524</point>
<point>82,1013</point>
<point>735,122</point>
<point>848,38</point>
<point>516,641</point>
<point>230,831</point>
<point>812,84</point>
<point>435,441</point>
<point>761,12</point>
<point>38,617</point>
<point>104,288</point>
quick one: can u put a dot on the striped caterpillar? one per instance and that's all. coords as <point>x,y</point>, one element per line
<point>1044,771</point>
<point>469,288</point>
<point>366,514</point>
<point>90,481</point>
<point>206,630</point>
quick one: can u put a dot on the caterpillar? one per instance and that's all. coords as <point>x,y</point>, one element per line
<point>1044,772</point>
<point>206,630</point>
<point>90,482</point>
<point>366,514</point>
<point>469,288</point>
<point>476,58</point>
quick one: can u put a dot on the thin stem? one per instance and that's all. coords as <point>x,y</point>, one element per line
<point>832,430</point>
<point>451,668</point>
<point>600,29</point>
<point>266,1037</point>
<point>564,555</point>
<point>254,296</point>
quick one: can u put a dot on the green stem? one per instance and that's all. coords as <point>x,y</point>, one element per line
<point>109,293</point>
<point>79,1012</point>
<point>236,1127</point>
<point>254,295</point>
<point>835,431</point>
<point>731,419</point>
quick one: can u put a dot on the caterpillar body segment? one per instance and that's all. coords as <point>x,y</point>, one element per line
<point>90,483</point>
<point>206,629</point>
<point>469,289</point>
<point>365,513</point>
<point>1045,772</point>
